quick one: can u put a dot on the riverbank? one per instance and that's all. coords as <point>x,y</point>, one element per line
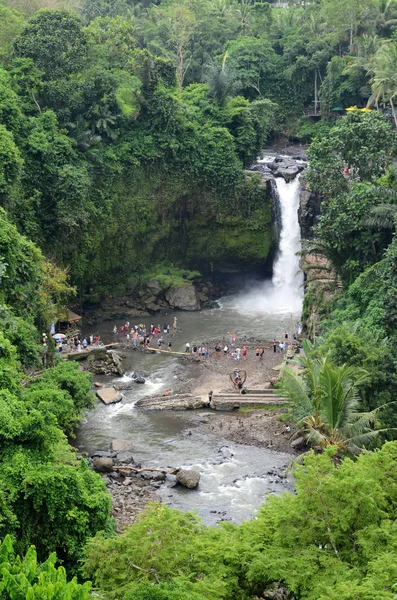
<point>228,431</point>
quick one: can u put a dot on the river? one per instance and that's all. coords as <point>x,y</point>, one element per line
<point>234,478</point>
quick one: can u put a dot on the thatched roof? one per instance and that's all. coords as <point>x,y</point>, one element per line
<point>68,316</point>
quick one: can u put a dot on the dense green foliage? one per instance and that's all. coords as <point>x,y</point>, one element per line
<point>356,234</point>
<point>25,578</point>
<point>125,126</point>
<point>48,496</point>
<point>125,132</point>
<point>335,538</point>
<point>325,403</point>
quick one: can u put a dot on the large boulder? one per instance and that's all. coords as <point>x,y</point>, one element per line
<point>109,395</point>
<point>103,465</point>
<point>188,478</point>
<point>184,297</point>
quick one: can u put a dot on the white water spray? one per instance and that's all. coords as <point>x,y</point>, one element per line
<point>287,277</point>
<point>283,295</point>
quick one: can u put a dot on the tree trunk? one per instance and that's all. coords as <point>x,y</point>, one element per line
<point>179,65</point>
<point>393,112</point>
<point>315,92</point>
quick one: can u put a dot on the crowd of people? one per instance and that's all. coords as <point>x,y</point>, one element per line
<point>76,344</point>
<point>138,335</point>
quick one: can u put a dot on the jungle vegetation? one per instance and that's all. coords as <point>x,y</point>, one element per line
<point>125,131</point>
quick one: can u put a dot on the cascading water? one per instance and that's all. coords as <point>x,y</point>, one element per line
<point>287,277</point>
<point>283,295</point>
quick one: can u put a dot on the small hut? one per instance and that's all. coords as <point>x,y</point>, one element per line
<point>67,320</point>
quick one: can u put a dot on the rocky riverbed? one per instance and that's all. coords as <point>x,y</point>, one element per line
<point>132,490</point>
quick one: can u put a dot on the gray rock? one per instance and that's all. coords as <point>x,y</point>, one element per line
<point>103,454</point>
<point>103,465</point>
<point>226,452</point>
<point>125,458</point>
<point>298,443</point>
<point>153,476</point>
<point>121,446</point>
<point>139,380</point>
<point>154,286</point>
<point>109,395</point>
<point>140,374</point>
<point>184,297</point>
<point>188,478</point>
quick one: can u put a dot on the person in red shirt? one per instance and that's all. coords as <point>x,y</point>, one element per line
<point>244,353</point>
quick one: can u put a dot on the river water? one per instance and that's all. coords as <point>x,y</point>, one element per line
<point>234,477</point>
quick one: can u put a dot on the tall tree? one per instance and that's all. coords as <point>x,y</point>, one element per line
<point>384,76</point>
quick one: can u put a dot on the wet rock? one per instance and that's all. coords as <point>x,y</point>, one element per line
<point>100,360</point>
<point>109,395</point>
<point>226,452</point>
<point>125,458</point>
<point>188,478</point>
<point>121,446</point>
<point>184,297</point>
<point>103,454</point>
<point>123,386</point>
<point>140,374</point>
<point>140,380</point>
<point>103,465</point>
<point>153,476</point>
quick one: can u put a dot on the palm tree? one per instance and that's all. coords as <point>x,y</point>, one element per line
<point>384,76</point>
<point>221,79</point>
<point>384,215</point>
<point>325,404</point>
<point>386,18</point>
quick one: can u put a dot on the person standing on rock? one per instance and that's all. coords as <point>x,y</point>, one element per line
<point>257,352</point>
<point>244,353</point>
<point>286,335</point>
<point>187,347</point>
<point>274,345</point>
<point>169,345</point>
<point>175,323</point>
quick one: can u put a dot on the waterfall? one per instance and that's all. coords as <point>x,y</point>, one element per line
<point>284,293</point>
<point>287,278</point>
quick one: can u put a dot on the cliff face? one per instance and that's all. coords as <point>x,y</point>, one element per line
<point>160,220</point>
<point>309,210</point>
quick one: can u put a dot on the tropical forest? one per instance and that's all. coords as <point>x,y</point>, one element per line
<point>228,170</point>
